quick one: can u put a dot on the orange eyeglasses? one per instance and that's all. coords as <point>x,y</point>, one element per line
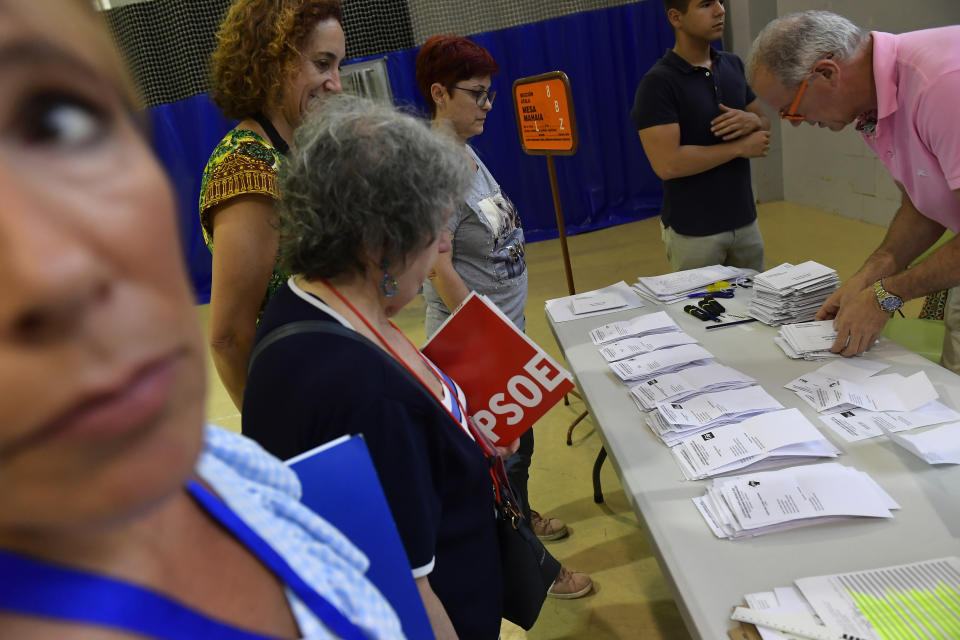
<point>791,112</point>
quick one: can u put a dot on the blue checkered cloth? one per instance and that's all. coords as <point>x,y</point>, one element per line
<point>265,494</point>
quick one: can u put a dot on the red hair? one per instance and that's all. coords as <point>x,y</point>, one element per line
<point>448,59</point>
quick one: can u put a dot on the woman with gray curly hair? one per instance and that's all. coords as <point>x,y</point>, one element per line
<point>365,197</point>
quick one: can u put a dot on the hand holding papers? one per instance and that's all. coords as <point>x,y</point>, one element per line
<point>766,438</point>
<point>936,446</point>
<point>791,293</point>
<point>648,324</point>
<point>808,340</point>
<point>685,384</point>
<point>763,502</point>
<point>616,297</point>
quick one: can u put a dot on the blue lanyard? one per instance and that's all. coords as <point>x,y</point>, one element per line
<point>38,588</point>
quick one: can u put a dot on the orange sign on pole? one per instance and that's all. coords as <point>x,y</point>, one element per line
<point>544,109</point>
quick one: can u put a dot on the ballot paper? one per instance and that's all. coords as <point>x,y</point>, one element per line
<point>629,347</point>
<point>785,601</point>
<point>674,287</point>
<point>765,439</point>
<point>791,293</point>
<point>650,323</point>
<point>649,365</point>
<point>672,422</point>
<point>859,424</point>
<point>768,501</point>
<point>903,602</point>
<point>616,297</point>
<point>940,445</point>
<point>808,340</point>
<point>693,381</point>
<point>888,392</point>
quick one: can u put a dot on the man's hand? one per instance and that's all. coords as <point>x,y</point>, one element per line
<point>858,323</point>
<point>832,305</point>
<point>754,145</point>
<point>734,123</point>
<point>509,450</point>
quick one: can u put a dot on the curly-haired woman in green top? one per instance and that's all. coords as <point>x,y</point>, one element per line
<point>274,62</point>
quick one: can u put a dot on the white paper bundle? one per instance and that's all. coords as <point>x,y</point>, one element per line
<point>768,501</point>
<point>682,385</point>
<point>940,445</point>
<point>649,365</point>
<point>791,293</point>
<point>629,347</point>
<point>674,287</point>
<point>757,442</point>
<point>673,421</point>
<point>644,325</point>
<point>808,340</point>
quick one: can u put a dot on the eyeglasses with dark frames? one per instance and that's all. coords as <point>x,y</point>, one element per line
<point>480,95</point>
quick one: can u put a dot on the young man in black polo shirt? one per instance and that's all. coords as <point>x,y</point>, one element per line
<point>699,124</point>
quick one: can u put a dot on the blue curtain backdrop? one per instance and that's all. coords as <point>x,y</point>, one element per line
<point>609,181</point>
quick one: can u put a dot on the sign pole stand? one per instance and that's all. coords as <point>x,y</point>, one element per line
<point>558,209</point>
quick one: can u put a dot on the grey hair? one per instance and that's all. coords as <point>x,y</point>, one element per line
<point>363,181</point>
<point>789,46</point>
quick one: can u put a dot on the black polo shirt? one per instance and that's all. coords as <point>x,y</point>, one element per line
<point>674,91</point>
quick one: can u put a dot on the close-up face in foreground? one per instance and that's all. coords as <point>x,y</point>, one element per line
<point>101,359</point>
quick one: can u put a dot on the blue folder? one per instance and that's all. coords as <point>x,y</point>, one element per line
<point>337,478</point>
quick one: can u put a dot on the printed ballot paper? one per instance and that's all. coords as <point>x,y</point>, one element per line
<point>766,439</point>
<point>616,297</point>
<point>673,421</point>
<point>940,445</point>
<point>648,365</point>
<point>685,384</point>
<point>629,347</point>
<point>767,501</point>
<point>888,392</point>
<point>674,287</point>
<point>860,424</point>
<point>648,324</point>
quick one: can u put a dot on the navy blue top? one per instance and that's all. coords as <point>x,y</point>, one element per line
<point>674,91</point>
<point>309,388</point>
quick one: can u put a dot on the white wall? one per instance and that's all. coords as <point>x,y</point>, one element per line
<point>837,171</point>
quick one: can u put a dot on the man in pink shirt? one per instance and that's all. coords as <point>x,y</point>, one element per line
<point>903,94</point>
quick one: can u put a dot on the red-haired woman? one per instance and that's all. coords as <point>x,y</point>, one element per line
<point>455,76</point>
<point>274,62</point>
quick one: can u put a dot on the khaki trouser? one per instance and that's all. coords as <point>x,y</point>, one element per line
<point>741,247</point>
<point>950,358</point>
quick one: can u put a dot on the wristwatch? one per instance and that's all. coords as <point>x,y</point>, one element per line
<point>887,301</point>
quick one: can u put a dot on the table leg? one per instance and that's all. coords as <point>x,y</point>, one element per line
<point>572,425</point>
<point>597,491</point>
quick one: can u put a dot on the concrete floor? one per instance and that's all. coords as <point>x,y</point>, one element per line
<point>631,598</point>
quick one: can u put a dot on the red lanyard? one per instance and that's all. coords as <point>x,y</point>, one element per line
<point>480,439</point>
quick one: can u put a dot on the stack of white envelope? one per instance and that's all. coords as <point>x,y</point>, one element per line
<point>638,345</point>
<point>674,287</point>
<point>655,363</point>
<point>685,384</point>
<point>791,293</point>
<point>762,502</point>
<point>940,445</point>
<point>758,442</point>
<point>888,392</point>
<point>673,421</point>
<point>644,325</point>
<point>807,340</point>
<point>616,297</point>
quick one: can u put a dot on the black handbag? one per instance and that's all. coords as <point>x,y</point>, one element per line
<point>527,568</point>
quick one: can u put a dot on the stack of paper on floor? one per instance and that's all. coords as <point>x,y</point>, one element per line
<point>644,325</point>
<point>673,421</point>
<point>762,502</point>
<point>674,287</point>
<point>940,445</point>
<point>616,297</point>
<point>629,347</point>
<point>650,365</point>
<point>808,340</point>
<point>685,384</point>
<point>758,442</point>
<point>791,293</point>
